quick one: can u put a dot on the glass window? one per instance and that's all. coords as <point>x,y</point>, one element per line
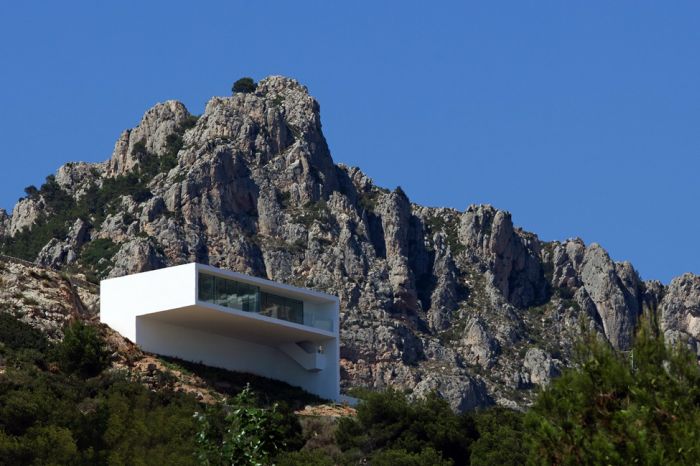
<point>206,287</point>
<point>249,298</point>
<point>228,293</point>
<point>279,307</point>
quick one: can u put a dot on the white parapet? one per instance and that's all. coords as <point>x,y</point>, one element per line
<point>230,320</point>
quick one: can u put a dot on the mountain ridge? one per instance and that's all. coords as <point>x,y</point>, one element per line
<point>462,302</point>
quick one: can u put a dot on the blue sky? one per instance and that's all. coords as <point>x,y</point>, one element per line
<point>581,118</point>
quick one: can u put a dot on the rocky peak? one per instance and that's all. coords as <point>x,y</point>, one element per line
<point>149,138</point>
<point>25,214</point>
<point>614,289</point>
<point>512,256</point>
<point>76,177</point>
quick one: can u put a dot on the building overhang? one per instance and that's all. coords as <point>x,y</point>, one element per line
<point>241,325</point>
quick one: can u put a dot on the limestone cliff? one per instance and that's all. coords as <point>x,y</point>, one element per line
<point>462,302</point>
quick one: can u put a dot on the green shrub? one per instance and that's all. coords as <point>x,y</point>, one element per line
<point>16,334</point>
<point>250,435</point>
<point>304,457</point>
<point>244,85</point>
<point>82,350</point>
<point>388,421</point>
<point>31,191</point>
<point>501,436</point>
<point>642,408</point>
<point>97,255</point>
<point>400,457</point>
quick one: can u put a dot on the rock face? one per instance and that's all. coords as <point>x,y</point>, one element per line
<point>4,223</point>
<point>57,252</point>
<point>539,366</point>
<point>25,214</point>
<point>680,311</point>
<point>614,290</point>
<point>463,303</point>
<point>44,299</point>
<point>149,138</point>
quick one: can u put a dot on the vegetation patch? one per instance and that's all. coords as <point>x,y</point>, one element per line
<point>449,225</point>
<point>312,212</point>
<point>97,256</point>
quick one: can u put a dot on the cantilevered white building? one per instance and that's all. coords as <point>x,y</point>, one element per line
<point>230,320</point>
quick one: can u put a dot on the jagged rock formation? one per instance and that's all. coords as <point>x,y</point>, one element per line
<point>463,303</point>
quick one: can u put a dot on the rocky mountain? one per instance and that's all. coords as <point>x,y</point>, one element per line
<point>462,302</point>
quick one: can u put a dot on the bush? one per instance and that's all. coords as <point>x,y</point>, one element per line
<point>82,350</point>
<point>500,438</point>
<point>31,191</point>
<point>402,457</point>
<point>97,255</point>
<point>251,434</point>
<point>642,408</point>
<point>244,85</point>
<point>305,457</point>
<point>16,334</point>
<point>388,421</point>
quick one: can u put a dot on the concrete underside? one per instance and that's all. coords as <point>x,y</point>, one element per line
<point>233,342</point>
<point>232,324</point>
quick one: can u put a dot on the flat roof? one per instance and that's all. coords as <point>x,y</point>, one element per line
<point>290,291</point>
<point>282,289</point>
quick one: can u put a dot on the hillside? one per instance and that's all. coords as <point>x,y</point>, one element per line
<point>462,302</point>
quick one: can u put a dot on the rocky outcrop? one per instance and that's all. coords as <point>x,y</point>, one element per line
<point>680,311</point>
<point>76,177</point>
<point>148,139</point>
<point>25,214</point>
<point>463,303</point>
<point>394,211</point>
<point>4,223</point>
<point>135,256</point>
<point>43,298</point>
<point>65,252</point>
<point>445,296</point>
<point>614,290</point>
<point>511,256</point>
<point>463,393</point>
<point>539,367</point>
<point>481,347</point>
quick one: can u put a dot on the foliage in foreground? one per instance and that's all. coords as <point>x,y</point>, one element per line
<point>641,408</point>
<point>67,416</point>
<point>59,406</point>
<point>251,434</point>
<point>390,429</point>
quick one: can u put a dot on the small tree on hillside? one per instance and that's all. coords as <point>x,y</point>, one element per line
<point>244,85</point>
<point>82,350</point>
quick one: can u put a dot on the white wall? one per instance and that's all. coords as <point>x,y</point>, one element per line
<point>238,355</point>
<point>123,298</point>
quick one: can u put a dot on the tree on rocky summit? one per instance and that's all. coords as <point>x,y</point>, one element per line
<point>244,85</point>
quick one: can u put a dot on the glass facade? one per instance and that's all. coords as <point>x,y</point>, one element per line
<point>243,297</point>
<point>282,308</point>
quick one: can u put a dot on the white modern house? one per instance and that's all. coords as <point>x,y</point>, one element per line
<point>230,320</point>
